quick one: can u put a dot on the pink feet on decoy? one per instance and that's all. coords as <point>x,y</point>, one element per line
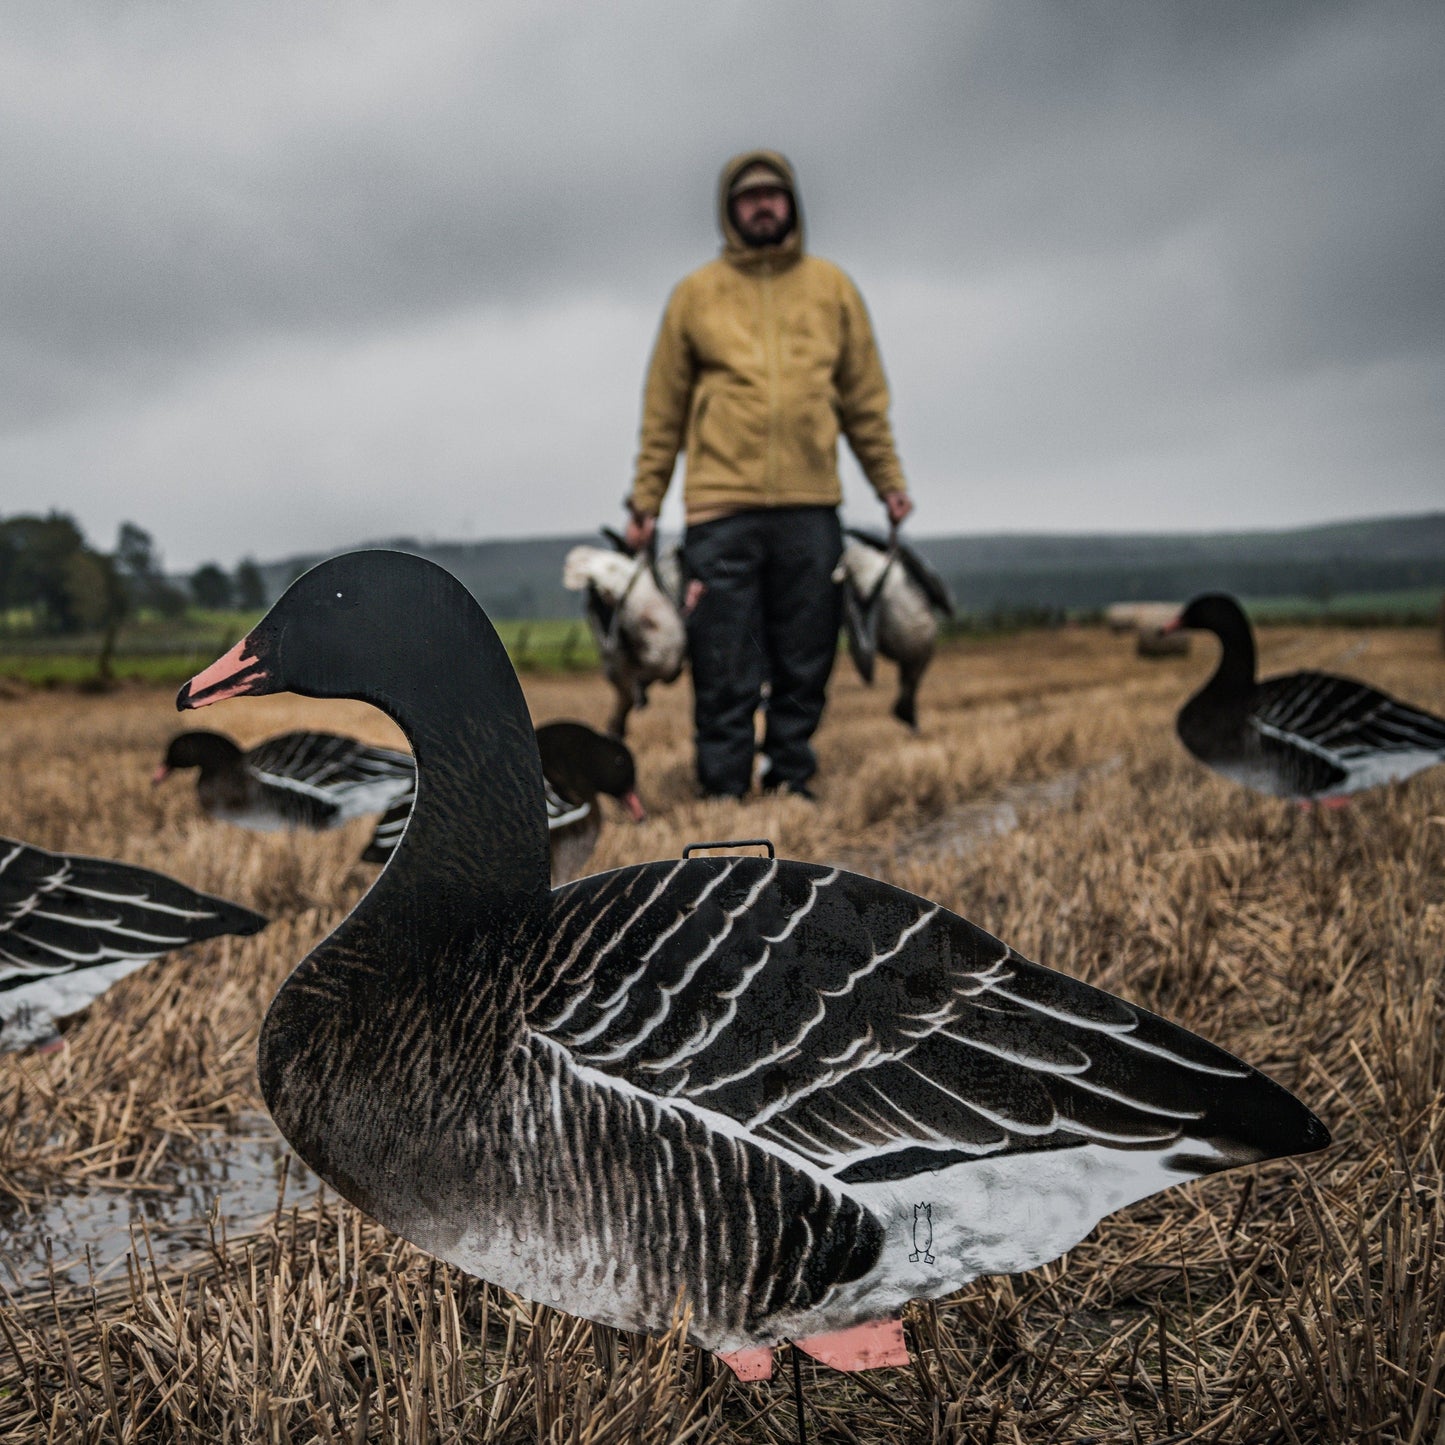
<point>872,1346</point>
<point>876,1345</point>
<point>754,1364</point>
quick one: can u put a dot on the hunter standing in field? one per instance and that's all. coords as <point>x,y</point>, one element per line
<point>764,356</point>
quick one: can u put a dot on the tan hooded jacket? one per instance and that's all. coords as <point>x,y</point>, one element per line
<point>763,357</point>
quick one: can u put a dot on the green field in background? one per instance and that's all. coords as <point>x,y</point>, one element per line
<point>169,653</point>
<point>161,652</point>
<point>1417,606</point>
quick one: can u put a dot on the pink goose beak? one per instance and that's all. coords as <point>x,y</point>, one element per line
<point>633,804</point>
<point>160,775</point>
<point>230,676</point>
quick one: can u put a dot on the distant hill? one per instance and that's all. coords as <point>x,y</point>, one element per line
<point>1385,555</point>
<point>516,578</point>
<point>522,578</point>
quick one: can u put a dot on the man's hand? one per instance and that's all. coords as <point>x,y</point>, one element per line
<point>898,505</point>
<point>639,531</point>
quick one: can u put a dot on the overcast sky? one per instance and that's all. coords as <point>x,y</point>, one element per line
<point>279,277</point>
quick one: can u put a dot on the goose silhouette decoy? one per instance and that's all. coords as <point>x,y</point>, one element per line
<point>72,926</point>
<point>1310,736</point>
<point>298,780</point>
<point>578,763</point>
<point>732,1077</point>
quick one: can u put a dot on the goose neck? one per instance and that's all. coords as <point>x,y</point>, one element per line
<point>476,845</point>
<point>1236,670</point>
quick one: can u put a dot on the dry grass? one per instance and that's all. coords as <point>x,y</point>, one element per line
<point>1293,1303</point>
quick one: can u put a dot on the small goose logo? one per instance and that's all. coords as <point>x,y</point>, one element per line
<point>922,1234</point>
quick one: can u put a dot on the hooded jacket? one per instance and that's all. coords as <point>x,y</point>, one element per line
<point>764,356</point>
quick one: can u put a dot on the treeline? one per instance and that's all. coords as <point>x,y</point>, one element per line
<point>61,585</point>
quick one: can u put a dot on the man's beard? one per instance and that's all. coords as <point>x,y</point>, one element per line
<point>770,233</point>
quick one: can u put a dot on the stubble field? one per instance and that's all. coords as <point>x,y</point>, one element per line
<point>1046,800</point>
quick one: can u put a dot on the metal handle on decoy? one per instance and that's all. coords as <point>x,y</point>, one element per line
<point>767,843</point>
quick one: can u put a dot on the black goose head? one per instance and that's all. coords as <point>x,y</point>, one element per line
<point>397,631</point>
<point>371,625</point>
<point>199,748</point>
<point>1221,614</point>
<point>1215,612</point>
<point>579,762</point>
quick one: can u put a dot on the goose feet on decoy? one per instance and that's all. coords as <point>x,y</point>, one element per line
<point>869,1346</point>
<point>751,1364</point>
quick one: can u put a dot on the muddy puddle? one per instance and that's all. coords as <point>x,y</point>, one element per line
<point>235,1179</point>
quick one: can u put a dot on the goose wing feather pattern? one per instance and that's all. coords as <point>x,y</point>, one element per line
<point>1343,721</point>
<point>72,926</point>
<point>356,776</point>
<point>872,1033</point>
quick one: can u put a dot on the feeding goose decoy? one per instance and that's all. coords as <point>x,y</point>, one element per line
<point>632,609</point>
<point>578,763</point>
<point>1303,735</point>
<point>890,598</point>
<point>798,1095</point>
<point>71,926</point>
<point>297,780</point>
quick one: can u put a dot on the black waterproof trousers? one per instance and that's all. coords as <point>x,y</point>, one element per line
<point>769,612</point>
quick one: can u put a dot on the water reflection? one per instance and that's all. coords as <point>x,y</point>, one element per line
<point>238,1174</point>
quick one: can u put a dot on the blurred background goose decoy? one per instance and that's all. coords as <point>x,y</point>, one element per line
<point>578,763</point>
<point>632,607</point>
<point>1302,735</point>
<point>738,1078</point>
<point>71,926</point>
<point>297,780</point>
<point>890,600</point>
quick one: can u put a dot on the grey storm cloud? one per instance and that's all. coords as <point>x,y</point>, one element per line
<point>278,276</point>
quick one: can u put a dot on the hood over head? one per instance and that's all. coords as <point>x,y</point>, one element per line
<point>735,249</point>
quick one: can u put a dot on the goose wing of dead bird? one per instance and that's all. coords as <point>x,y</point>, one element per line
<point>71,926</point>
<point>927,577</point>
<point>868,537</point>
<point>860,628</point>
<point>354,776</point>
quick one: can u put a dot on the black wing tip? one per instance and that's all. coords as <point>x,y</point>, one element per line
<point>1311,1132</point>
<point>242,922</point>
<point>1275,1125</point>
